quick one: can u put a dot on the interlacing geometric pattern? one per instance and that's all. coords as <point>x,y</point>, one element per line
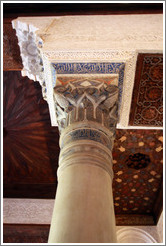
<point>86,101</point>
<point>147,102</point>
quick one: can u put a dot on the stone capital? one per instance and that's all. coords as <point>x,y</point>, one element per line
<point>87,113</point>
<point>87,101</point>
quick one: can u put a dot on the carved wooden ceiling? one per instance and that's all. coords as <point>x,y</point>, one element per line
<point>31,147</point>
<point>147,102</point>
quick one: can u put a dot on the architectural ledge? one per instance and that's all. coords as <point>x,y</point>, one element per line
<point>39,212</point>
<point>56,49</point>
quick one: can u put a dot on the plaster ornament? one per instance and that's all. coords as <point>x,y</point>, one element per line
<point>30,45</point>
<point>75,103</point>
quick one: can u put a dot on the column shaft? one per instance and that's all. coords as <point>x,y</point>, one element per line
<point>84,211</point>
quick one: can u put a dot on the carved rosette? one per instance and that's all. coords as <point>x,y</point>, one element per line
<point>87,117</point>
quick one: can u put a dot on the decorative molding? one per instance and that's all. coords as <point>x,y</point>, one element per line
<point>89,68</point>
<point>89,55</point>
<point>86,101</point>
<point>83,152</point>
<point>128,84</point>
<point>27,211</point>
<point>39,211</point>
<point>86,134</point>
<point>29,44</point>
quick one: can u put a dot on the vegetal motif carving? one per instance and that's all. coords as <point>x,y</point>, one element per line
<point>31,56</point>
<point>97,102</point>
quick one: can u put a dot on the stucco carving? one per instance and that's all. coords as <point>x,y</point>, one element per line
<point>88,101</point>
<point>94,40</point>
<point>30,53</point>
<point>87,113</point>
<point>27,211</point>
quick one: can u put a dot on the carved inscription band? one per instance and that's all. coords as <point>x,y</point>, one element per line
<point>86,146</point>
<point>86,134</point>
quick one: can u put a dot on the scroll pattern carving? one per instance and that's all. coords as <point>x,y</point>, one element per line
<point>97,102</point>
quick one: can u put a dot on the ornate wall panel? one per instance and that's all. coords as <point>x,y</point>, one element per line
<point>147,101</point>
<point>11,52</point>
<point>27,211</point>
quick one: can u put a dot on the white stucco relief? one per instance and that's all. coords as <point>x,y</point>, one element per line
<point>114,38</point>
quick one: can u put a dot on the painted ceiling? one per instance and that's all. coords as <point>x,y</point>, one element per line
<point>147,101</point>
<point>138,168</point>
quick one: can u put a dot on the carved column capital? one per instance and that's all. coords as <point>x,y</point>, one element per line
<point>87,113</point>
<point>86,102</point>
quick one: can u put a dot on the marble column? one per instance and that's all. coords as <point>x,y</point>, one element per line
<point>84,210</point>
